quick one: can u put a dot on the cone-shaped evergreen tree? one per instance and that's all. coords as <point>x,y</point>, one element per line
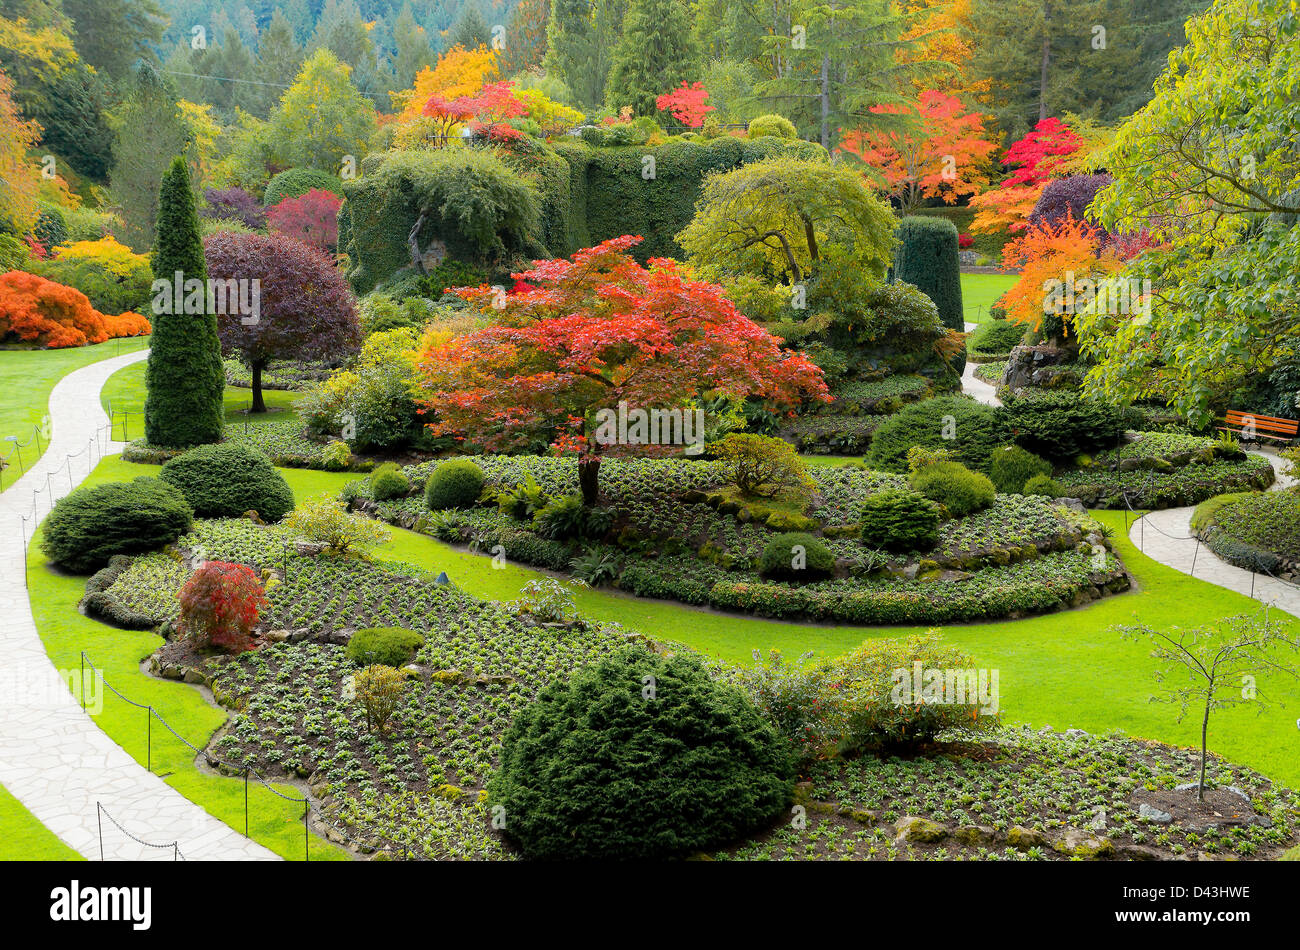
<point>185,379</point>
<point>656,53</point>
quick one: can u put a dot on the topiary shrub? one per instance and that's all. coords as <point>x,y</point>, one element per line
<point>899,520</point>
<point>796,556</point>
<point>927,259</point>
<point>454,484</point>
<point>296,182</point>
<point>996,338</point>
<point>228,479</point>
<point>1011,466</point>
<point>383,646</point>
<point>638,757</point>
<point>772,124</point>
<point>1061,425</point>
<point>388,481</point>
<point>1043,485</point>
<point>951,484</point>
<point>969,430</point>
<point>51,229</point>
<point>92,524</point>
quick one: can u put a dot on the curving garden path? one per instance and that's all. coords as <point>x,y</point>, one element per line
<point>53,758</point>
<point>975,387</point>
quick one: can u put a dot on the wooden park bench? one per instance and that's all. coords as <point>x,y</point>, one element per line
<point>1251,426</point>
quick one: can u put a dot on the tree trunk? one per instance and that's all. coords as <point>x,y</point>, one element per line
<point>258,404</point>
<point>826,101</point>
<point>589,478</point>
<point>810,236</point>
<point>1205,728</point>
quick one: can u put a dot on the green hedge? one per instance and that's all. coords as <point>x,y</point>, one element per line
<point>296,182</point>
<point>229,479</point>
<point>927,259</point>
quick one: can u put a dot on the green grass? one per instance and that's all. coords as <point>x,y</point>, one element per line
<point>25,838</point>
<point>26,379</point>
<point>125,392</point>
<point>273,822</point>
<point>980,291</point>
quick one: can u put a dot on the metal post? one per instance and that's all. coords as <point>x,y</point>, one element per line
<point>148,753</point>
<point>306,849</point>
<point>69,473</point>
<point>245,802</point>
<point>1194,554</point>
<point>1252,585</point>
<point>99,820</point>
<point>83,681</point>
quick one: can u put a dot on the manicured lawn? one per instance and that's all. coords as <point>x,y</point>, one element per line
<point>26,379</point>
<point>980,291</point>
<point>273,822</point>
<point>125,392</point>
<point>25,838</point>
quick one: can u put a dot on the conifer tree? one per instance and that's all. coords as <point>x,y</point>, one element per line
<point>656,53</point>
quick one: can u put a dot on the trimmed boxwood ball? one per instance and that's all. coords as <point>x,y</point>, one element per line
<point>779,557</point>
<point>229,479</point>
<point>897,519</point>
<point>593,768</point>
<point>1011,466</point>
<point>92,524</point>
<point>1043,485</point>
<point>968,429</point>
<point>951,484</point>
<point>927,259</point>
<point>386,646</point>
<point>454,484</point>
<point>772,124</point>
<point>388,481</point>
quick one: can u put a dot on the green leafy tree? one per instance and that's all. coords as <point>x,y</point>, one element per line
<point>655,54</point>
<point>322,117</point>
<point>1208,172</point>
<point>185,380</point>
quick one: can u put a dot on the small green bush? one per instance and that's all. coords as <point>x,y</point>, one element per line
<point>1061,425</point>
<point>899,520</point>
<point>997,337</point>
<point>567,517</point>
<point>228,479</point>
<point>968,429</point>
<point>772,124</point>
<point>638,757</point>
<point>92,524</point>
<point>389,481</point>
<point>454,484</point>
<point>954,486</point>
<point>385,646</point>
<point>1043,485</point>
<point>796,556</point>
<point>296,182</point>
<point>336,456</point>
<point>1011,466</point>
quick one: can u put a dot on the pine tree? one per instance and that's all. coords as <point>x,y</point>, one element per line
<point>655,54</point>
<point>185,380</point>
<point>413,49</point>
<point>471,30</point>
<point>279,57</point>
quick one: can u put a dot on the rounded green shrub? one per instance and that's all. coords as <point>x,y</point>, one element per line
<point>642,757</point>
<point>92,524</point>
<point>384,646</point>
<point>1043,485</point>
<point>389,481</point>
<point>968,429</point>
<point>899,520</point>
<point>796,556</point>
<point>296,182</point>
<point>927,259</point>
<point>772,124</point>
<point>954,486</point>
<point>228,479</point>
<point>1011,466</point>
<point>1061,425</point>
<point>997,337</point>
<point>454,484</point>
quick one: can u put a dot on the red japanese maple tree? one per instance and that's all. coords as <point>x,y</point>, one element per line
<point>686,104</point>
<point>312,218</point>
<point>1037,159</point>
<point>486,113</point>
<point>596,331</point>
<point>220,604</point>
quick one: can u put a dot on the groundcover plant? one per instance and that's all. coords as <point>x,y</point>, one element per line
<point>651,431</point>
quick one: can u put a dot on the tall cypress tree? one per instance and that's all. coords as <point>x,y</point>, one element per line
<point>656,53</point>
<point>185,380</point>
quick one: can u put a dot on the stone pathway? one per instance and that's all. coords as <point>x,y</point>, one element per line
<point>53,758</point>
<point>1165,536</point>
<point>975,387</point>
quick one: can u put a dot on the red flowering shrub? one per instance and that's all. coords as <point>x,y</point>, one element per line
<point>36,310</point>
<point>964,241</point>
<point>220,604</point>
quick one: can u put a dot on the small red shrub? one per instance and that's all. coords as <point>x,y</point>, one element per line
<point>220,604</point>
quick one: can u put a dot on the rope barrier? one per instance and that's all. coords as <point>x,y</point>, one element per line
<point>102,812</point>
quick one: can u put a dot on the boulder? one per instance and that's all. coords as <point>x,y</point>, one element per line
<point>919,830</point>
<point>1081,844</point>
<point>1022,839</point>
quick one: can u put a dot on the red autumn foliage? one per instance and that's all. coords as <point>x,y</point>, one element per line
<point>1037,159</point>
<point>312,218</point>
<point>686,104</point>
<point>52,315</point>
<point>485,114</point>
<point>220,605</point>
<point>965,241</point>
<point>593,332</point>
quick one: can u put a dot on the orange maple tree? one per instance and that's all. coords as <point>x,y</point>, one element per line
<point>36,310</point>
<point>458,72</point>
<point>1036,159</point>
<point>1053,256</point>
<point>946,157</point>
<point>600,331</point>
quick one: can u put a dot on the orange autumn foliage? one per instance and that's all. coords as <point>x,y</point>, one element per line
<point>458,72</point>
<point>36,310</point>
<point>1070,251</point>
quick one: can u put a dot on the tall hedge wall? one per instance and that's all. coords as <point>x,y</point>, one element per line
<point>587,194</point>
